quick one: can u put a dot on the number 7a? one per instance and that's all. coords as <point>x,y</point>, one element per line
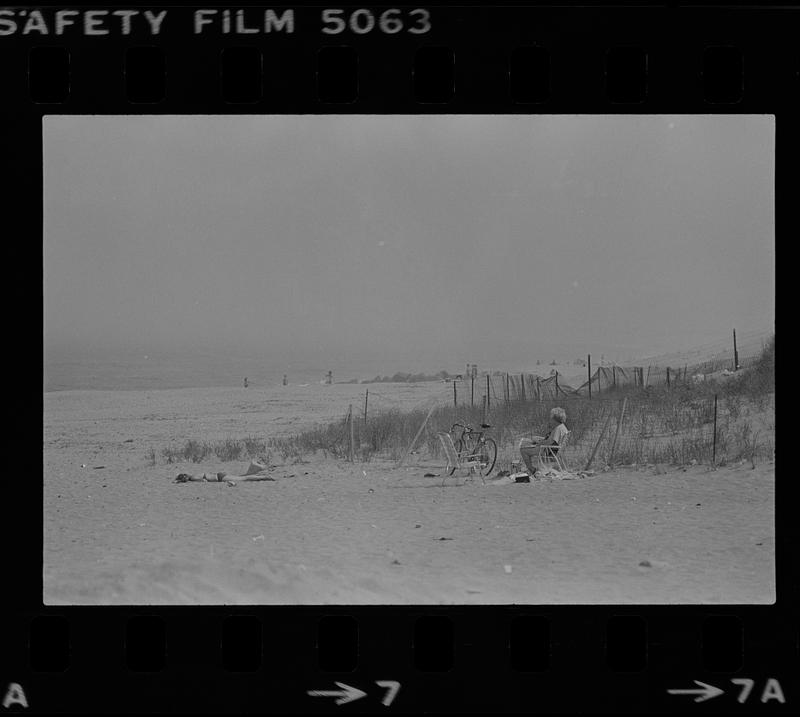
<point>772,690</point>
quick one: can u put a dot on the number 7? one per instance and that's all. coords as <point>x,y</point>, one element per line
<point>392,688</point>
<point>747,686</point>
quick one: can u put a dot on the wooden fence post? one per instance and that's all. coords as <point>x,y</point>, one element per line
<point>556,384</point>
<point>419,432</point>
<point>667,376</point>
<point>472,391</point>
<point>714,447</point>
<point>488,398</point>
<point>589,371</point>
<point>616,433</point>
<point>600,438</point>
<point>522,383</point>
<point>455,399</point>
<point>735,352</point>
<point>366,400</point>
<point>538,390</point>
<point>352,440</point>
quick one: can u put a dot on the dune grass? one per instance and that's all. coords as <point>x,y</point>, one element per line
<point>229,449</point>
<point>660,425</point>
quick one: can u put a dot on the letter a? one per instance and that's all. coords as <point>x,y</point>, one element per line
<point>773,691</point>
<point>15,695</point>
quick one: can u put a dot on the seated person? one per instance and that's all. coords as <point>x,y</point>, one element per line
<point>529,448</point>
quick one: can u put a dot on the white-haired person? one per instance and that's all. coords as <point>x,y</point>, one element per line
<point>529,447</point>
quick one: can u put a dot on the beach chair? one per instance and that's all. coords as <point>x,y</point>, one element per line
<point>554,454</point>
<point>454,460</point>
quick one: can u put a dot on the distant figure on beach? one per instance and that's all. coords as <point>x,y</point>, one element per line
<point>529,448</point>
<point>245,381</point>
<point>284,380</point>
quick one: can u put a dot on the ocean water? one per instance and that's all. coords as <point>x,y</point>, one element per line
<point>135,370</point>
<point>139,371</point>
<point>153,371</point>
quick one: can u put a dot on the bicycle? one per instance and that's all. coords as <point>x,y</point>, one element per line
<point>475,444</point>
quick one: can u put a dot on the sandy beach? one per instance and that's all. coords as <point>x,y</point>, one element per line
<point>118,530</point>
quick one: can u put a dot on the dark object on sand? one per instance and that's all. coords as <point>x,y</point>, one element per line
<point>431,475</point>
<point>188,478</point>
<point>646,564</point>
<point>503,474</point>
<point>522,479</point>
<point>97,468</point>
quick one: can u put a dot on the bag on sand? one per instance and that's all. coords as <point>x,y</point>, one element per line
<point>255,467</point>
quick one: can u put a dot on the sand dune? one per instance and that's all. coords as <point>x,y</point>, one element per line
<point>333,532</point>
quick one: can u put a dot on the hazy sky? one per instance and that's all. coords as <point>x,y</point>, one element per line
<point>440,236</point>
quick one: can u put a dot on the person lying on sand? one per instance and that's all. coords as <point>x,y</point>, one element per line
<point>254,473</point>
<point>529,448</point>
<point>218,478</point>
<point>205,477</point>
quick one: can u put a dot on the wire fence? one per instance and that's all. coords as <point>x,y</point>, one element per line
<point>620,415</point>
<point>498,386</point>
<point>670,427</point>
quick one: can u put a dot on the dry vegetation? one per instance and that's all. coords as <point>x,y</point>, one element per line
<point>228,450</point>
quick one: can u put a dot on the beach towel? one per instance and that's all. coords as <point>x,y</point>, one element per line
<point>549,473</point>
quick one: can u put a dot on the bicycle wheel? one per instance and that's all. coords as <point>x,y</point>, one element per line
<point>487,454</point>
<point>459,444</point>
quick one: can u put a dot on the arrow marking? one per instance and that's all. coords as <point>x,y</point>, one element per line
<point>346,693</point>
<point>706,692</point>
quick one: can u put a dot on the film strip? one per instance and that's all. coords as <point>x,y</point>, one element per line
<point>447,654</point>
